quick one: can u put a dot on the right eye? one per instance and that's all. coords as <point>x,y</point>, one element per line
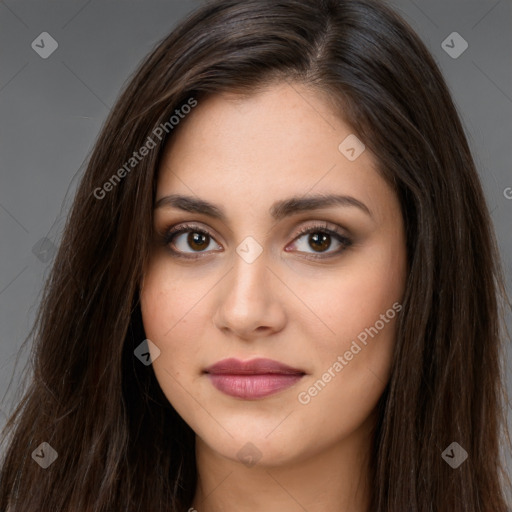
<point>197,239</point>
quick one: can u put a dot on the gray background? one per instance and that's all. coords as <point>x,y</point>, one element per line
<point>51,111</point>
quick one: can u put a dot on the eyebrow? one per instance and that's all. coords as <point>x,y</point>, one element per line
<point>279,210</point>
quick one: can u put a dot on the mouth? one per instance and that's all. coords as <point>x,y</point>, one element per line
<point>253,379</point>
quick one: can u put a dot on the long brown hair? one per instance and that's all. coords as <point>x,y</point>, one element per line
<point>120,443</point>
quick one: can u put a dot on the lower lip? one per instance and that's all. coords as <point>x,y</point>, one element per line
<point>253,386</point>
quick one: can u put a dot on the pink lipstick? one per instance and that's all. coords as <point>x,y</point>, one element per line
<point>252,379</point>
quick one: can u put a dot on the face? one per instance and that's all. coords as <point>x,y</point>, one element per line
<point>314,285</point>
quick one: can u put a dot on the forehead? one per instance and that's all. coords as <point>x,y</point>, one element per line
<point>282,122</point>
<point>282,141</point>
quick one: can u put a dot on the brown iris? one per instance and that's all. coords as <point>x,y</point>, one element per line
<point>198,241</point>
<point>319,241</point>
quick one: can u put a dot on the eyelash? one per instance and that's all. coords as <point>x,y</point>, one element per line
<point>171,233</point>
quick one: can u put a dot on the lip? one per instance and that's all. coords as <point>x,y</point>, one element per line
<point>257,366</point>
<point>252,379</point>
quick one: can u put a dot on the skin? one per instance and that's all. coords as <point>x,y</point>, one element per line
<point>243,154</point>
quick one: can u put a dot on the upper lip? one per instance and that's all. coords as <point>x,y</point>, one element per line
<point>258,366</point>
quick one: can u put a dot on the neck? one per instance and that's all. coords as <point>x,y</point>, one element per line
<point>333,479</point>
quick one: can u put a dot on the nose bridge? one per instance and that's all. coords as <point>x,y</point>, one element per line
<point>246,301</point>
<point>250,275</point>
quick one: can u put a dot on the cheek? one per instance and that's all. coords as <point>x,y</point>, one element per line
<point>173,319</point>
<point>352,363</point>
<point>161,307</point>
<point>169,301</point>
<point>354,296</point>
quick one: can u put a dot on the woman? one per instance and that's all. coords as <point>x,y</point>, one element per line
<point>278,288</point>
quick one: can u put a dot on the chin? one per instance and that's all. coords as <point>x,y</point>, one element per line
<point>257,450</point>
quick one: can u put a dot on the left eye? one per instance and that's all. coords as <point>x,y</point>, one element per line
<point>321,240</point>
<point>199,240</point>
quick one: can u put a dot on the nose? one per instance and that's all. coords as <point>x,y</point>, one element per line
<point>250,300</point>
